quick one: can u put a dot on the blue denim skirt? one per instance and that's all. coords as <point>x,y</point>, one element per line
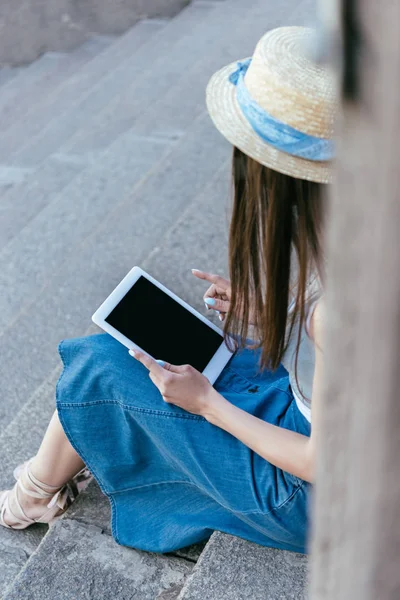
<point>171,477</point>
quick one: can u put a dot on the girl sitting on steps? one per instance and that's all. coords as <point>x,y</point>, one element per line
<point>176,457</point>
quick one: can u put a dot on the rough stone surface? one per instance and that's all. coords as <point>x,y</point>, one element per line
<point>205,219</point>
<point>233,569</point>
<point>72,216</point>
<point>52,237</point>
<point>148,58</point>
<point>171,594</point>
<point>195,241</point>
<point>10,176</point>
<point>33,191</point>
<point>182,74</point>
<point>67,96</point>
<point>93,508</point>
<point>63,24</point>
<point>175,75</point>
<point>96,44</point>
<point>7,73</point>
<point>18,442</point>
<point>81,561</point>
<point>51,292</point>
<point>72,228</point>
<point>15,549</point>
<point>189,552</point>
<point>21,438</point>
<point>37,81</point>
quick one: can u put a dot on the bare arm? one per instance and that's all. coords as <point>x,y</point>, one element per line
<point>287,450</point>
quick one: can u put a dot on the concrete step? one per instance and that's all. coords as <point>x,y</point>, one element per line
<point>231,568</point>
<point>29,266</point>
<point>115,83</point>
<point>7,73</point>
<point>12,176</point>
<point>67,96</point>
<point>66,260</point>
<point>145,200</point>
<point>81,207</point>
<point>96,44</point>
<point>92,507</point>
<point>156,94</point>
<point>199,240</point>
<point>26,79</point>
<point>14,218</point>
<point>18,442</point>
<point>76,560</point>
<point>162,119</point>
<point>204,220</point>
<point>25,192</point>
<point>50,240</point>
<point>199,234</point>
<point>21,440</point>
<point>39,80</point>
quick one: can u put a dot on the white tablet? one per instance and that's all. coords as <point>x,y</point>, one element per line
<point>143,314</point>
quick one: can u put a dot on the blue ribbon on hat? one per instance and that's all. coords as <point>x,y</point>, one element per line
<point>273,131</point>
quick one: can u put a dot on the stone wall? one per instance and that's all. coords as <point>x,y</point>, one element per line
<point>30,27</point>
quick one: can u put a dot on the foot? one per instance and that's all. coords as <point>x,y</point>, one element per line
<point>32,501</point>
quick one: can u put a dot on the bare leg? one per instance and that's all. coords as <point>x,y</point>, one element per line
<point>56,462</point>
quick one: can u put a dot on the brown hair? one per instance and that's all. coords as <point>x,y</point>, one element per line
<point>273,215</point>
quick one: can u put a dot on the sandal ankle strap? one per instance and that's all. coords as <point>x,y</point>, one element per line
<point>38,492</point>
<point>37,482</point>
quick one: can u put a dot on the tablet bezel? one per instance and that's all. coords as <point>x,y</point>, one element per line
<point>215,365</point>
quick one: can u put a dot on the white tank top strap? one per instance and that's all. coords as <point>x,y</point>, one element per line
<point>301,382</point>
<point>303,408</point>
<point>310,312</point>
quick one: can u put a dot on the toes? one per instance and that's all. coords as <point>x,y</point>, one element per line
<point>3,508</point>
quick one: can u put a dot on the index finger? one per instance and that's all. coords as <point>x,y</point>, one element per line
<point>152,365</point>
<point>212,278</point>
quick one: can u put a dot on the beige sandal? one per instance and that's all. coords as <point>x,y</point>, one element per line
<point>59,499</point>
<point>75,485</point>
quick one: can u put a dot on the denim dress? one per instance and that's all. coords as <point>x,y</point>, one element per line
<point>171,477</point>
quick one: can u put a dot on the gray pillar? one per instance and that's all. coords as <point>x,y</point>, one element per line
<point>356,545</point>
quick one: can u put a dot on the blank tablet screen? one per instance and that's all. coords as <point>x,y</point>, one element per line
<point>163,327</point>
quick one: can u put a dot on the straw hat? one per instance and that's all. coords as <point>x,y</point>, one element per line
<point>279,105</point>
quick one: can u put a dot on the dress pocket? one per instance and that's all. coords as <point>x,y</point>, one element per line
<point>232,381</point>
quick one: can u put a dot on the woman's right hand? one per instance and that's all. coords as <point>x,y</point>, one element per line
<point>218,295</point>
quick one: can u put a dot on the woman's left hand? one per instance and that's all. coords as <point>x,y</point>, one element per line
<point>183,385</point>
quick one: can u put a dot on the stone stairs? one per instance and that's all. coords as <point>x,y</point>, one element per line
<point>108,159</point>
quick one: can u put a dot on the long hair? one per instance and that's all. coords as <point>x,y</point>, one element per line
<point>275,216</point>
